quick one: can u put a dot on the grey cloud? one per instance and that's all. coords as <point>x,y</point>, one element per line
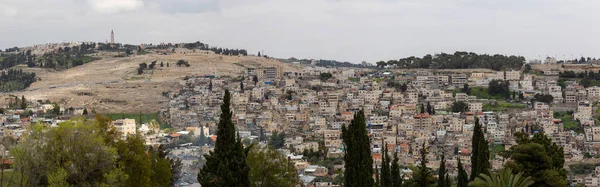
<point>352,30</point>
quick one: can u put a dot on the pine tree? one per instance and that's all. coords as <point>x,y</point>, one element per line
<point>442,173</point>
<point>448,182</point>
<point>23,103</point>
<point>377,177</point>
<point>386,178</point>
<point>463,179</point>
<point>423,176</point>
<point>242,85</point>
<point>429,109</point>
<point>357,158</point>
<point>480,155</point>
<point>226,165</point>
<point>395,172</point>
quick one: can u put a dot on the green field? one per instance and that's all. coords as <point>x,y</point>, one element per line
<point>145,118</point>
<point>502,106</point>
<point>482,93</point>
<point>568,122</point>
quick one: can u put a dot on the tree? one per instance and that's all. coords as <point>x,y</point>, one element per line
<point>480,154</point>
<point>161,64</point>
<point>277,141</point>
<point>85,112</point>
<point>161,167</point>
<point>242,86</point>
<point>521,96</point>
<point>539,158</point>
<point>23,103</point>
<point>43,155</point>
<point>377,177</point>
<point>128,51</point>
<point>386,176</point>
<point>357,158</point>
<point>268,167</point>
<point>422,176</point>
<point>459,107</point>
<point>499,88</point>
<point>325,76</point>
<point>255,79</point>
<point>167,64</point>
<point>210,86</point>
<point>258,54</point>
<point>546,98</point>
<point>226,165</point>
<point>442,173</point>
<point>422,110</point>
<point>466,89</point>
<point>505,178</point>
<point>395,172</point>
<point>429,108</point>
<point>134,161</point>
<point>463,178</point>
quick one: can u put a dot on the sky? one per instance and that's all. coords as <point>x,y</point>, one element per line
<point>343,30</point>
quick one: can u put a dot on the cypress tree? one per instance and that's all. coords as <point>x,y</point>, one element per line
<point>23,103</point>
<point>377,177</point>
<point>442,173</point>
<point>395,172</point>
<point>448,182</point>
<point>463,179</point>
<point>226,165</point>
<point>357,158</point>
<point>386,177</point>
<point>423,176</point>
<point>242,85</point>
<point>429,109</point>
<point>210,85</point>
<point>422,109</point>
<point>480,155</point>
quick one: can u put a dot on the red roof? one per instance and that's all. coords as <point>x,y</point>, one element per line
<point>174,135</point>
<point>213,138</point>
<point>424,115</point>
<point>403,145</point>
<point>377,156</point>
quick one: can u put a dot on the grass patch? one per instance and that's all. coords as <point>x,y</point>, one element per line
<point>11,178</point>
<point>483,93</point>
<point>145,118</point>
<point>568,122</point>
<point>497,148</point>
<point>502,106</point>
<point>354,79</point>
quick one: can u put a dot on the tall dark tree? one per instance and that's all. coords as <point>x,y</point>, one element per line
<point>377,177</point>
<point>422,109</point>
<point>386,176</point>
<point>255,79</point>
<point>480,155</point>
<point>242,86</point>
<point>395,171</point>
<point>357,158</point>
<point>429,108</point>
<point>23,103</point>
<point>210,86</point>
<point>442,173</point>
<point>466,89</point>
<point>226,165</point>
<point>463,178</point>
<point>423,177</point>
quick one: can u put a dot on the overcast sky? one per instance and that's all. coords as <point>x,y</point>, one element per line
<point>346,30</point>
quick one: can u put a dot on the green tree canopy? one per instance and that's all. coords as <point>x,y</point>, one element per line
<point>357,158</point>
<point>268,167</point>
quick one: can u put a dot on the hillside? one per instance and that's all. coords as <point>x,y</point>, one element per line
<point>113,85</point>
